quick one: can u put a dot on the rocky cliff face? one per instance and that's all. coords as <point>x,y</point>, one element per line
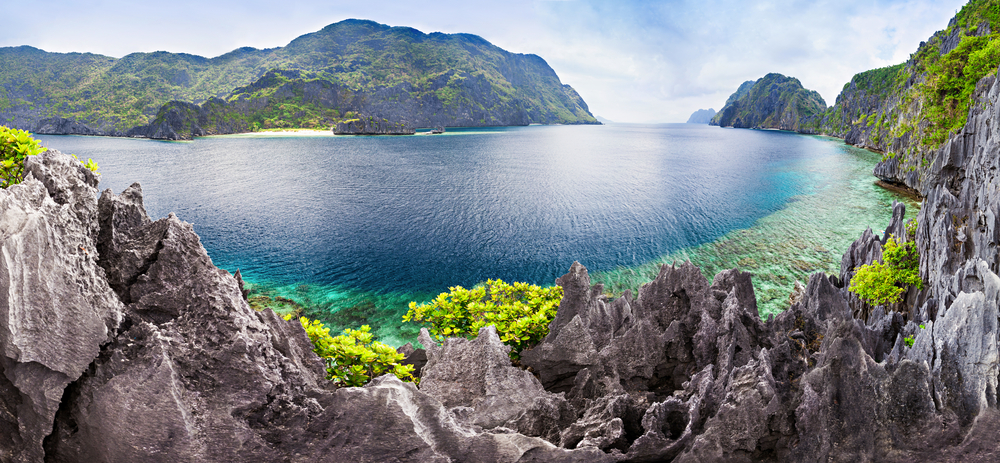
<point>372,126</point>
<point>122,342</point>
<point>772,102</point>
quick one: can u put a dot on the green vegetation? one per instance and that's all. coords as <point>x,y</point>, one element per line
<point>462,71</point>
<point>354,358</point>
<point>796,106</point>
<point>884,282</point>
<point>521,312</point>
<point>15,147</point>
<point>951,81</point>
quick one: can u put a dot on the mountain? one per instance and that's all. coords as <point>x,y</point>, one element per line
<point>701,116</point>
<point>356,66</point>
<point>909,110</point>
<point>906,111</point>
<point>772,102</point>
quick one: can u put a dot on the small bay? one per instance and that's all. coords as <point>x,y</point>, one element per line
<point>356,227</point>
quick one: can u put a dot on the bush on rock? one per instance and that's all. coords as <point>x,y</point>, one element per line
<point>15,146</point>
<point>521,312</point>
<point>354,358</point>
<point>884,282</point>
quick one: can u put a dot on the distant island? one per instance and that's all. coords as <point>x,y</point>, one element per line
<point>701,116</point>
<point>347,70</point>
<point>771,102</point>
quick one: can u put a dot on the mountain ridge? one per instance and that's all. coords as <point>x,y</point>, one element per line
<point>403,75</point>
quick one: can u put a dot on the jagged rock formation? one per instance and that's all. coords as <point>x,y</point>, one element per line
<point>120,341</point>
<point>163,360</point>
<point>372,126</point>
<point>772,102</point>
<point>701,116</point>
<point>56,308</point>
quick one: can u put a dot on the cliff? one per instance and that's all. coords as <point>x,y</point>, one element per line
<point>397,73</point>
<point>122,342</point>
<point>772,102</point>
<point>701,116</point>
<point>372,126</point>
<point>906,111</point>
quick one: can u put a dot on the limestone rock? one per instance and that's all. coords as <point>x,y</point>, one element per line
<point>56,308</point>
<point>478,374</point>
<point>372,126</point>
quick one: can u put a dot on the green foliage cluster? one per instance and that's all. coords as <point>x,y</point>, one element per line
<point>908,340</point>
<point>520,311</point>
<point>354,358</point>
<point>951,81</point>
<point>880,82</point>
<point>884,282</point>
<point>15,147</point>
<point>977,11</point>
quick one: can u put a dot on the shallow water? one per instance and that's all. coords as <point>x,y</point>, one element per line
<point>356,227</point>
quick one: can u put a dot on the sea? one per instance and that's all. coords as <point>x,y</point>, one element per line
<point>353,228</point>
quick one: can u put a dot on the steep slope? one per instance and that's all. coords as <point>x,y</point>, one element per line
<point>428,79</point>
<point>701,116</point>
<point>927,99</point>
<point>773,102</point>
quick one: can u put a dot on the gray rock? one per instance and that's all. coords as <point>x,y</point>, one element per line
<point>63,126</point>
<point>965,345</point>
<point>478,374</point>
<point>56,308</point>
<point>370,125</point>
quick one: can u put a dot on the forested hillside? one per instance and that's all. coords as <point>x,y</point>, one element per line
<point>397,73</point>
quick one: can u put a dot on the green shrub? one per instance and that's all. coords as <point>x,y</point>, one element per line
<point>521,312</point>
<point>15,147</point>
<point>884,282</point>
<point>354,358</point>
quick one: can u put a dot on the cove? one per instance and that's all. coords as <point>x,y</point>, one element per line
<point>355,227</point>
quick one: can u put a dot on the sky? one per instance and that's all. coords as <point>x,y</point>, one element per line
<point>631,60</point>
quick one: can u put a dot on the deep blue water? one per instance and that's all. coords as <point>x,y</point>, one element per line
<point>428,212</point>
<point>411,216</point>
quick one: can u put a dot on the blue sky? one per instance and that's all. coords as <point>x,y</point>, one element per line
<point>632,61</point>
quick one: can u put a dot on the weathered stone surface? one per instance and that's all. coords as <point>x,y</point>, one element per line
<point>478,374</point>
<point>194,374</point>
<point>56,308</point>
<point>63,126</point>
<point>370,125</point>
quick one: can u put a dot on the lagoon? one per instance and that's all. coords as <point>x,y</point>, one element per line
<point>355,227</point>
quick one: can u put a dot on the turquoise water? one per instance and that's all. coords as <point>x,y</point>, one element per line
<point>353,228</point>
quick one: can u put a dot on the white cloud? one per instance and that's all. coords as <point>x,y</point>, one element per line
<point>631,60</point>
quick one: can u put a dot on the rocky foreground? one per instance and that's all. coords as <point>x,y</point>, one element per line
<point>120,341</point>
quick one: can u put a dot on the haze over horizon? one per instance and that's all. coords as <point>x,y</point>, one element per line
<point>631,61</point>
